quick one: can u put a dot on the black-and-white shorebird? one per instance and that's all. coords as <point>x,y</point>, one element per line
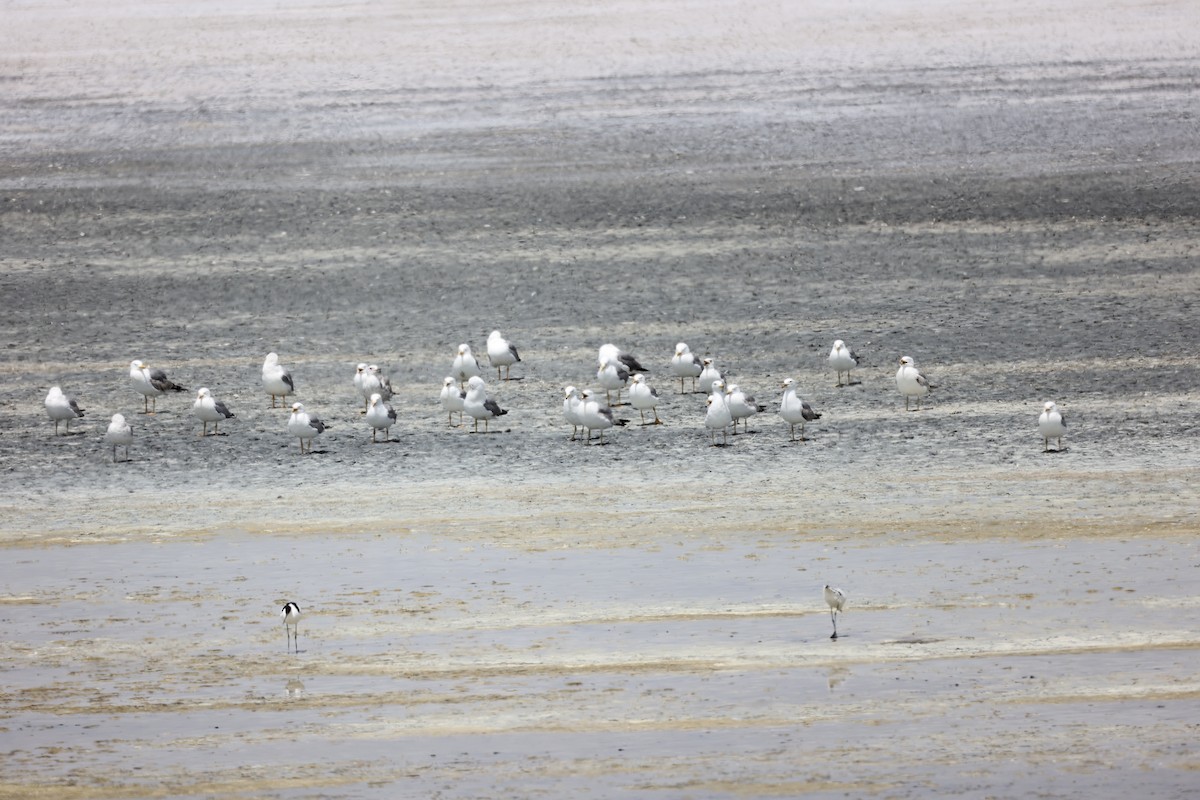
<point>62,408</point>
<point>836,600</point>
<point>842,359</point>
<point>478,406</point>
<point>643,397</point>
<point>209,409</point>
<point>290,614</point>
<point>911,382</point>
<point>794,409</point>
<point>119,434</point>
<point>381,417</point>
<point>277,381</point>
<point>502,353</point>
<point>151,383</point>
<point>685,364</point>
<point>304,426</point>
<point>1051,425</point>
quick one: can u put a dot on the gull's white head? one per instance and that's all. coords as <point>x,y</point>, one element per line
<point>681,349</point>
<point>906,361</point>
<point>118,419</point>
<point>476,382</point>
<point>569,392</point>
<point>202,392</point>
<point>136,364</point>
<point>1049,406</point>
<point>718,385</point>
<point>838,344</point>
<point>448,381</point>
<point>588,394</point>
<point>638,378</point>
<point>376,399</point>
<point>55,392</point>
<point>706,362</point>
<point>463,349</point>
<point>787,382</point>
<point>730,389</point>
<point>373,369</point>
<point>297,408</point>
<point>271,360</point>
<point>494,335</point>
<point>361,368</point>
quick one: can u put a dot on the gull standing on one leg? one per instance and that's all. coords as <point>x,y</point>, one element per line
<point>836,599</point>
<point>1051,425</point>
<point>842,359</point>
<point>911,382</point>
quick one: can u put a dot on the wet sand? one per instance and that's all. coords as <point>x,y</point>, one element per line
<point>1006,193</point>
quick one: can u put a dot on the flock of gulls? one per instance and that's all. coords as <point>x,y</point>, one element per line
<point>464,393</point>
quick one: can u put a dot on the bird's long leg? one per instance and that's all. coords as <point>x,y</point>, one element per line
<point>642,414</point>
<point>657,421</point>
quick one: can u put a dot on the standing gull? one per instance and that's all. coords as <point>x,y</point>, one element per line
<point>911,382</point>
<point>381,417</point>
<point>596,416</point>
<point>685,364</point>
<point>465,366</point>
<point>210,409</point>
<point>360,378</point>
<point>478,405</point>
<point>613,376</point>
<point>290,614</point>
<point>717,416</point>
<point>709,374</point>
<point>742,406</point>
<point>836,600</point>
<point>304,426</point>
<point>501,353</point>
<point>572,409</point>
<point>643,397</point>
<point>452,400</point>
<point>277,381</point>
<point>119,434</point>
<point>794,409</point>
<point>1051,425</point>
<point>842,359</point>
<point>151,383</point>
<point>610,352</point>
<point>379,382</point>
<point>62,407</point>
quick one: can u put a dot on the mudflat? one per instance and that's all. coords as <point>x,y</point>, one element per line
<point>1006,193</point>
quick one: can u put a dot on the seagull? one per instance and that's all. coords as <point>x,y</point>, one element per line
<point>741,406</point>
<point>360,377</point>
<point>709,374</point>
<point>573,409</point>
<point>501,353</point>
<point>478,406</point>
<point>613,377</point>
<point>62,407</point>
<point>596,417</point>
<point>290,614</point>
<point>379,382</point>
<point>684,364</point>
<point>277,381</point>
<point>465,366</point>
<point>717,416</point>
<point>209,409</point>
<point>842,359</point>
<point>119,434</point>
<point>836,599</point>
<point>151,383</point>
<point>304,426</point>
<point>452,400</point>
<point>911,382</point>
<point>610,352</point>
<point>1051,425</point>
<point>381,417</point>
<point>643,397</point>
<point>795,410</point>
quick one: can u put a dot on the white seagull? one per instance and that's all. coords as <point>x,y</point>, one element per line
<point>742,406</point>
<point>290,614</point>
<point>836,599</point>
<point>360,377</point>
<point>613,376</point>
<point>1051,425</point>
<point>643,397</point>
<point>573,409</point>
<point>151,383</point>
<point>717,416</point>
<point>709,374</point>
<point>610,352</point>
<point>380,416</point>
<point>478,406</point>
<point>911,382</point>
<point>209,409</point>
<point>465,366</point>
<point>794,409</point>
<point>119,434</point>
<point>304,426</point>
<point>842,359</point>
<point>596,416</point>
<point>452,400</point>
<point>685,364</point>
<point>62,407</point>
<point>378,382</point>
<point>501,353</point>
<point>277,381</point>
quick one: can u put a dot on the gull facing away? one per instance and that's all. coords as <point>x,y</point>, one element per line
<point>501,353</point>
<point>209,409</point>
<point>595,416</point>
<point>1051,425</point>
<point>610,352</point>
<point>836,600</point>
<point>151,383</point>
<point>478,405</point>
<point>842,359</point>
<point>643,397</point>
<point>119,434</point>
<point>465,366</point>
<point>380,416</point>
<point>304,426</point>
<point>794,409</point>
<point>742,406</point>
<point>290,614</point>
<point>717,416</point>
<point>911,382</point>
<point>685,364</point>
<point>452,399</point>
<point>62,407</point>
<point>277,381</point>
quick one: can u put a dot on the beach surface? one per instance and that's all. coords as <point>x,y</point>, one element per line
<point>1006,193</point>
